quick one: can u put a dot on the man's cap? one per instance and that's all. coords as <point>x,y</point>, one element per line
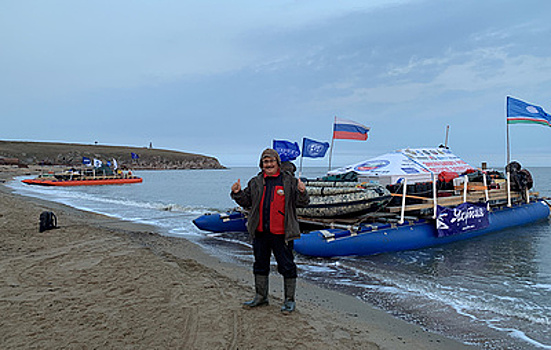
<point>270,153</point>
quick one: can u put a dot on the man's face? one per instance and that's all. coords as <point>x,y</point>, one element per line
<point>270,166</point>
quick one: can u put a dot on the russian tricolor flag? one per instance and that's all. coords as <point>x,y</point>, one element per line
<point>345,129</point>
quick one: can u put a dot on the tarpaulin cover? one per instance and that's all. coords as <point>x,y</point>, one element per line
<point>417,164</point>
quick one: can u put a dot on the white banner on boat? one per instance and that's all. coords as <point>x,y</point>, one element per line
<point>417,165</point>
<point>437,160</point>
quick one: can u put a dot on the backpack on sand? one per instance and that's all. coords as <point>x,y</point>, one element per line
<point>48,221</point>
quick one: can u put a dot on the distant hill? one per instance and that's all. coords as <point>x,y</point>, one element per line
<point>70,154</point>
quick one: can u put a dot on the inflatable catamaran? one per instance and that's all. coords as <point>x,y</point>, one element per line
<point>417,198</point>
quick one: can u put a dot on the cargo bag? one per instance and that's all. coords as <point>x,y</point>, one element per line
<point>48,221</point>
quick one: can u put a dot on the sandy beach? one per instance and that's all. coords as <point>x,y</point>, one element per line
<point>100,283</point>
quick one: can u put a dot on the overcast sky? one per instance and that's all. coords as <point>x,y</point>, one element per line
<point>225,78</point>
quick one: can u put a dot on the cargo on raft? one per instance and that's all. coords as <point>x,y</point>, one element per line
<point>342,199</point>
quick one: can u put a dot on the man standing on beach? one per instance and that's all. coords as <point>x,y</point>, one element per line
<point>272,197</point>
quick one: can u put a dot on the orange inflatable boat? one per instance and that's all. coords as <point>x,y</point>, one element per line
<point>82,181</point>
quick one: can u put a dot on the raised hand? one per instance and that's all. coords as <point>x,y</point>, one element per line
<point>301,186</point>
<point>236,187</point>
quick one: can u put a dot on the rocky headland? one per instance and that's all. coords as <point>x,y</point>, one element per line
<point>69,154</point>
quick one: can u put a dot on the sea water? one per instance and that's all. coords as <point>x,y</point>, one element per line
<point>492,291</point>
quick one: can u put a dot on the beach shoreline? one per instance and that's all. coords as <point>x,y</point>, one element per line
<point>97,282</point>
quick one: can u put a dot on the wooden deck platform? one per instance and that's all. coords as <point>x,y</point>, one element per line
<point>495,195</point>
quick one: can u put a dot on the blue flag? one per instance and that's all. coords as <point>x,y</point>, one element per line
<point>86,161</point>
<point>314,149</point>
<point>287,150</point>
<point>520,112</point>
<point>134,155</point>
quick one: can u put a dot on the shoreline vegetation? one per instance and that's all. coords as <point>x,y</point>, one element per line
<point>96,282</point>
<point>22,153</point>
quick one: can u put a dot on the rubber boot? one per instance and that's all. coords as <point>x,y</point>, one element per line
<point>261,288</point>
<point>289,287</point>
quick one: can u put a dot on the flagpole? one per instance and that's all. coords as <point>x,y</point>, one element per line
<point>331,154</point>
<point>332,141</point>
<point>507,121</point>
<point>508,146</point>
<point>301,157</point>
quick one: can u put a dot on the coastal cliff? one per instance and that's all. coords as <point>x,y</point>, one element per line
<point>70,154</point>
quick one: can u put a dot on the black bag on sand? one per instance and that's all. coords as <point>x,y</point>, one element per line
<point>48,221</point>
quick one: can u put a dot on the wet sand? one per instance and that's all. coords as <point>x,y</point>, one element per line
<point>99,283</point>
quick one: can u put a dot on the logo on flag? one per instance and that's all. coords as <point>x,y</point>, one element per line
<point>520,112</point>
<point>86,161</point>
<point>287,150</point>
<point>314,149</point>
<point>97,163</point>
<point>345,129</point>
<point>134,155</point>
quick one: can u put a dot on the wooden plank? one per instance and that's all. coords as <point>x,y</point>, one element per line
<point>456,200</point>
<point>351,221</point>
<point>477,192</point>
<point>470,188</point>
<point>410,196</point>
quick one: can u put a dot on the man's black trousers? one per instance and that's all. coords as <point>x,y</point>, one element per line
<point>263,246</point>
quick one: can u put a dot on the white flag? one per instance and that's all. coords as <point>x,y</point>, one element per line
<point>97,163</point>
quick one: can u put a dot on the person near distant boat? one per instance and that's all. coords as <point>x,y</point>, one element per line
<point>272,198</point>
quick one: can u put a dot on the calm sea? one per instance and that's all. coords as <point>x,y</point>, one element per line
<point>492,291</point>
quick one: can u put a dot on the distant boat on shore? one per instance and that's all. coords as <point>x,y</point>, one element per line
<point>87,178</point>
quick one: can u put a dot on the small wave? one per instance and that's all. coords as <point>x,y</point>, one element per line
<point>546,287</point>
<point>318,269</point>
<point>515,333</point>
<point>173,207</point>
<point>183,232</point>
